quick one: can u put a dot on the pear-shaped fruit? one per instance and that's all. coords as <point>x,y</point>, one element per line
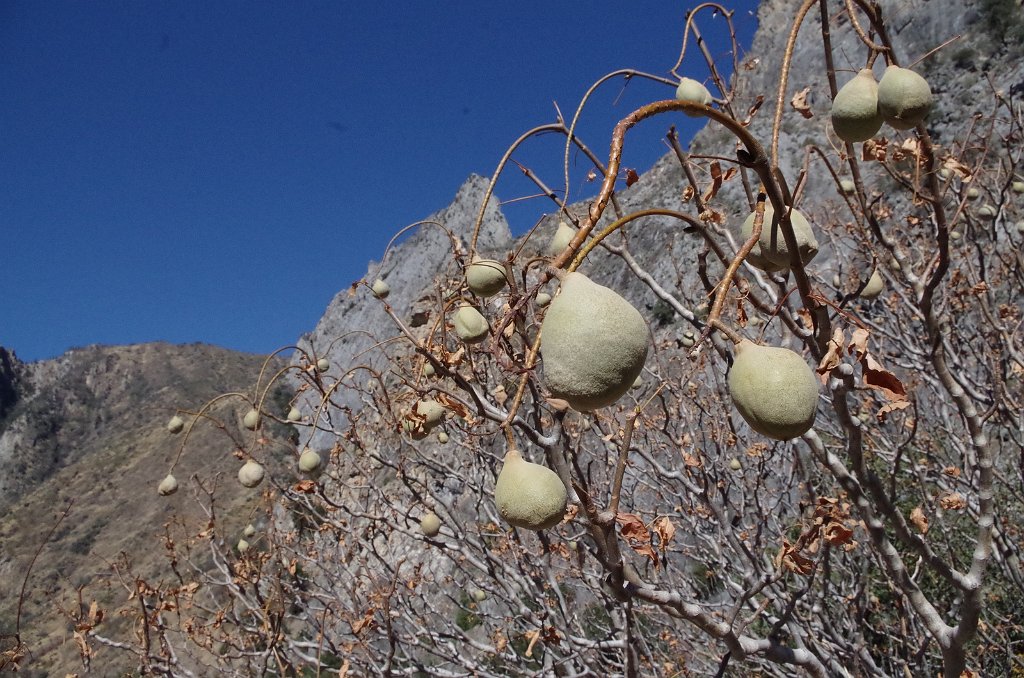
<point>470,324</point>
<point>430,525</point>
<point>774,390</point>
<point>543,299</point>
<point>855,115</point>
<point>529,495</point>
<point>735,464</point>
<point>248,531</point>
<point>874,286</point>
<point>251,474</point>
<point>771,252</point>
<point>168,486</point>
<point>593,343</point>
<point>486,277</point>
<point>176,424</point>
<point>251,420</point>
<point>323,364</point>
<point>693,91</point>
<point>847,186</point>
<point>380,289</point>
<point>294,414</point>
<point>242,546</point>
<point>309,461</point>
<point>560,240</point>
<point>432,412</point>
<point>904,97</point>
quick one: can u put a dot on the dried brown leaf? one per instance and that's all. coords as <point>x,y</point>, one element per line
<point>631,177</point>
<point>952,501</point>
<point>799,102</point>
<point>832,358</point>
<point>920,521</point>
<point>665,530</point>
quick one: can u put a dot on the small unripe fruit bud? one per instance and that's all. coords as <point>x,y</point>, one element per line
<point>380,289</point>
<point>251,420</point>
<point>168,486</point>
<point>176,424</point>
<point>479,596</point>
<point>442,437</point>
<point>543,299</point>
<point>1018,187</point>
<point>847,186</point>
<point>430,525</point>
<point>986,212</point>
<point>309,461</point>
<point>248,531</point>
<point>428,370</point>
<point>972,193</point>
<point>735,464</point>
<point>242,546</point>
<point>322,365</point>
<point>689,339</point>
<point>693,91</point>
<point>251,474</point>
<point>294,414</point>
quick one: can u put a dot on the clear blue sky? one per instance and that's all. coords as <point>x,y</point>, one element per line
<point>217,171</point>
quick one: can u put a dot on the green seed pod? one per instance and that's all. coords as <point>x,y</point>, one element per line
<point>773,389</point>
<point>380,289</point>
<point>904,97</point>
<point>309,461</point>
<point>251,474</point>
<point>442,437</point>
<point>428,370</point>
<point>470,325</point>
<point>986,212</point>
<point>735,464</point>
<point>560,240</point>
<point>972,193</point>
<point>528,495</point>
<point>1020,226</point>
<point>543,299</point>
<point>693,91</point>
<point>1017,187</point>
<point>479,596</point>
<point>955,235</point>
<point>242,546</point>
<point>689,339</point>
<point>168,486</point>
<point>874,286</point>
<point>855,115</point>
<point>251,420</point>
<point>593,343</point>
<point>432,412</point>
<point>322,365</point>
<point>847,186</point>
<point>771,253</point>
<point>248,531</point>
<point>294,414</point>
<point>486,277</point>
<point>430,525</point>
<point>176,424</point>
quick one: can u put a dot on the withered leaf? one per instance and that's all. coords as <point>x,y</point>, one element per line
<point>952,501</point>
<point>665,530</point>
<point>920,521</point>
<point>631,177</point>
<point>832,358</point>
<point>636,535</point>
<point>799,102</point>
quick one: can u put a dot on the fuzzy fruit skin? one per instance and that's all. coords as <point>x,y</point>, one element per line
<point>294,414</point>
<point>529,495</point>
<point>168,486</point>
<point>774,390</point>
<point>693,91</point>
<point>847,186</point>
<point>309,461</point>
<point>1017,187</point>
<point>470,325</point>
<point>251,474</point>
<point>904,97</point>
<point>430,525</point>
<point>242,546</point>
<point>251,420</point>
<point>543,299</point>
<point>432,412</point>
<point>380,289</point>
<point>248,531</point>
<point>855,115</point>
<point>593,343</point>
<point>486,277</point>
<point>323,365</point>
<point>176,424</point>
<point>479,595</point>
<point>874,286</point>
<point>560,240</point>
<point>771,253</point>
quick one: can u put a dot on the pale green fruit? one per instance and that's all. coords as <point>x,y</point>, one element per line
<point>637,383</point>
<point>972,193</point>
<point>242,546</point>
<point>773,389</point>
<point>847,186</point>
<point>874,286</point>
<point>430,525</point>
<point>529,495</point>
<point>1018,187</point>
<point>593,344</point>
<point>1020,226</point>
<point>251,474</point>
<point>248,531</point>
<point>986,212</point>
<point>944,173</point>
<point>771,253</point>
<point>904,97</point>
<point>855,115</point>
<point>470,325</point>
<point>251,420</point>
<point>486,277</point>
<point>176,424</point>
<point>294,414</point>
<point>693,91</point>
<point>309,461</point>
<point>323,365</point>
<point>442,437</point>
<point>688,340</point>
<point>955,235</point>
<point>380,289</point>
<point>735,464</point>
<point>560,240</point>
<point>428,370</point>
<point>543,299</point>
<point>168,486</point>
<point>432,412</point>
<point>479,595</point>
